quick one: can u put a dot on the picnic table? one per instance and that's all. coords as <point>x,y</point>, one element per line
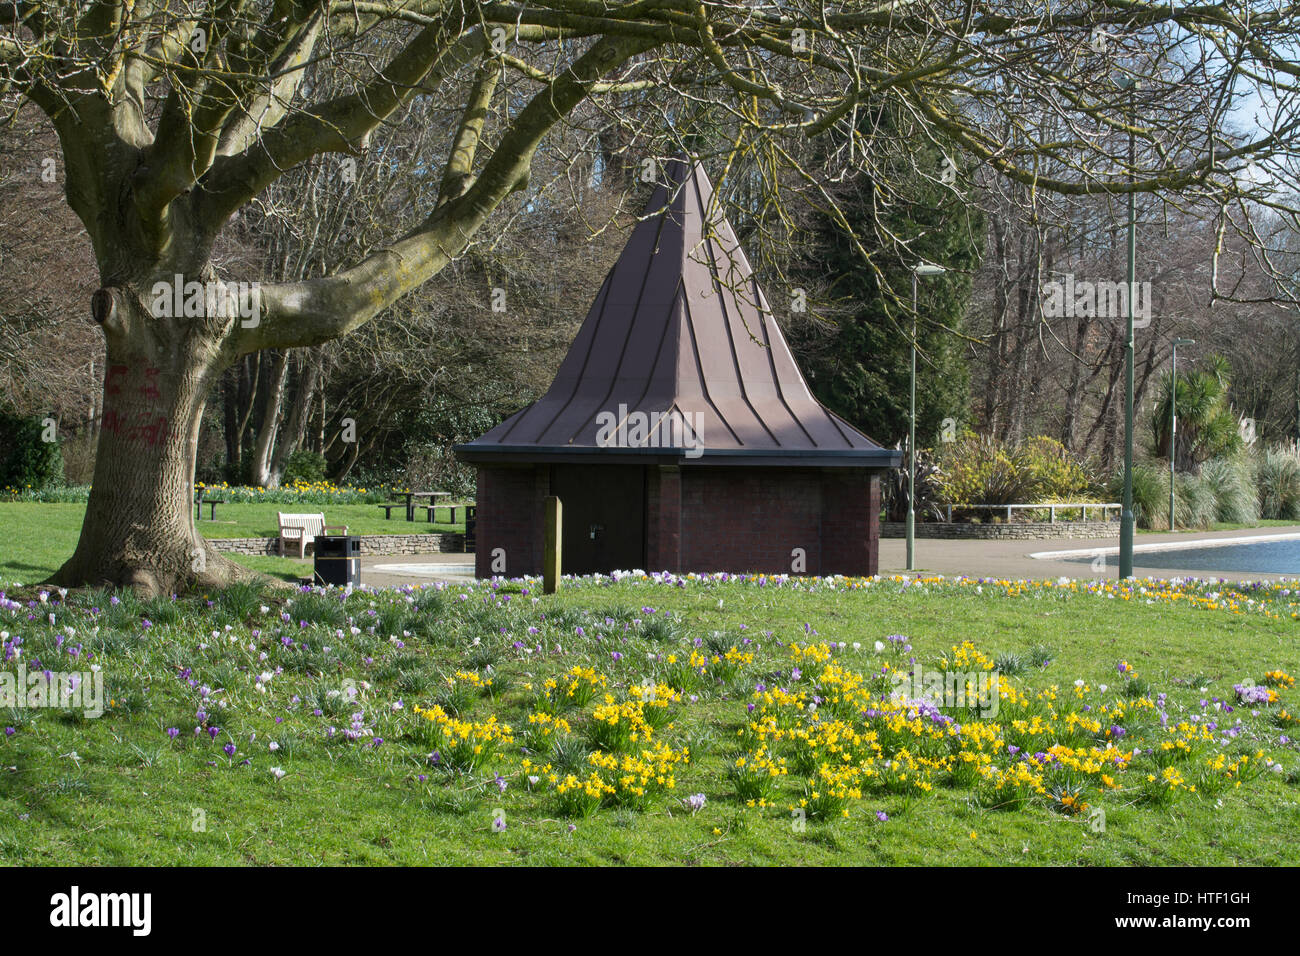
<point>200,501</point>
<point>431,510</point>
<point>412,495</point>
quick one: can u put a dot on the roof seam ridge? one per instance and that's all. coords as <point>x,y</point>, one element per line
<point>622,354</point>
<point>707,243</point>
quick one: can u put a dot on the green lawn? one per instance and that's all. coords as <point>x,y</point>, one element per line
<point>39,537</point>
<point>118,790</point>
<point>259,520</point>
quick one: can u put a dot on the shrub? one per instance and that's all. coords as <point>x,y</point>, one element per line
<point>1150,495</point>
<point>1223,491</point>
<point>1054,474</point>
<point>304,466</point>
<point>978,469</point>
<point>435,466</point>
<point>314,493</point>
<point>1231,480</point>
<point>78,458</point>
<point>929,492</point>
<point>26,460</point>
<point>1277,480</point>
<point>1207,424</point>
<point>1195,506</point>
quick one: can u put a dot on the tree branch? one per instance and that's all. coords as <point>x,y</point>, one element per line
<point>317,310</point>
<point>339,125</point>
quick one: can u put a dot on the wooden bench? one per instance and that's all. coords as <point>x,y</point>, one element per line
<point>200,501</point>
<point>388,507</point>
<point>303,529</point>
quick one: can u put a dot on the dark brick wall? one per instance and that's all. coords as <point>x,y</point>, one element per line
<point>705,519</point>
<point>511,502</point>
<point>754,519</point>
<point>664,519</point>
<point>850,522</point>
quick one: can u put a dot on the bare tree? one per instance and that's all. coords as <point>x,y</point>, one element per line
<point>174,116</point>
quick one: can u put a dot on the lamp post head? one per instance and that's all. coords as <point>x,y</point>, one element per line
<point>1178,342</point>
<point>928,269</point>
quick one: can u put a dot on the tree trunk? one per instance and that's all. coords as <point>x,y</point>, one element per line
<point>270,421</point>
<point>247,375</point>
<point>350,460</point>
<point>229,388</point>
<point>139,529</point>
<point>295,428</point>
<point>1074,387</point>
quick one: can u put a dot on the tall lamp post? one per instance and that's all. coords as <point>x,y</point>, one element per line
<point>1173,423</point>
<point>921,269</point>
<point>1126,521</point>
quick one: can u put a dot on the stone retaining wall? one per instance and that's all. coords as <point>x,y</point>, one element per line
<point>1024,530</point>
<point>370,544</point>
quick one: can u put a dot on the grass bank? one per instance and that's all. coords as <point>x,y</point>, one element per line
<point>39,537</point>
<point>486,724</point>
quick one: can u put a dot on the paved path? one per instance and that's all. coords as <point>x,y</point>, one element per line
<point>987,559</point>
<point>457,567</point>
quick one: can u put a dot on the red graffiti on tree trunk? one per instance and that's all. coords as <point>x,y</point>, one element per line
<point>150,387</point>
<point>112,382</point>
<point>112,421</point>
<point>149,429</point>
<point>151,432</point>
<point>137,427</point>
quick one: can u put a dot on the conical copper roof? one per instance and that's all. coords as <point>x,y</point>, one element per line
<point>681,333</point>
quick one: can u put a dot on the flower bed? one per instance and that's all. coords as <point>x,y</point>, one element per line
<point>299,493</point>
<point>516,710</point>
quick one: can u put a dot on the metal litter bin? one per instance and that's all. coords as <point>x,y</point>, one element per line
<point>338,560</point>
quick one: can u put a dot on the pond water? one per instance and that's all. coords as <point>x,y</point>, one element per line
<point>1272,556</point>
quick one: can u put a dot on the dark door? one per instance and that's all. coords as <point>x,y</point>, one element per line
<point>604,517</point>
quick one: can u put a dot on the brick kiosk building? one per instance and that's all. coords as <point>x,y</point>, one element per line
<point>679,434</point>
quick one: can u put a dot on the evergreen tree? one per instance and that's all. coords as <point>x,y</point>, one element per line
<point>860,368</point>
<point>1208,426</point>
